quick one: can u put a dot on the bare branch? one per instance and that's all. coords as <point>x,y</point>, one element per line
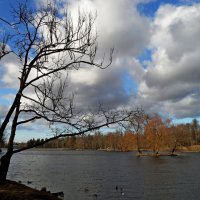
<point>28,120</point>
<point>49,47</point>
<point>1,19</point>
<point>74,134</point>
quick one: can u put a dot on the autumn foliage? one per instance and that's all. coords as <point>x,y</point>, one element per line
<point>156,135</point>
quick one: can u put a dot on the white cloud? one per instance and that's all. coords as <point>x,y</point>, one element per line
<point>121,26</point>
<point>172,78</point>
<point>118,25</point>
<point>84,76</point>
<point>169,84</point>
<point>10,67</point>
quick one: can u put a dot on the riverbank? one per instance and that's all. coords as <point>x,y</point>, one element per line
<point>17,191</point>
<point>192,148</point>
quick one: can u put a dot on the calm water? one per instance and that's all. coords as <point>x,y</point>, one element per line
<point>143,178</point>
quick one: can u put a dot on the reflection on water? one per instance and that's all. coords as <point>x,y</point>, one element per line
<point>85,175</point>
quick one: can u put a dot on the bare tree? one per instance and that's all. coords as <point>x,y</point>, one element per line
<point>138,123</point>
<point>48,46</point>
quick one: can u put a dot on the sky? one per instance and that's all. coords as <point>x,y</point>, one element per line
<point>156,61</point>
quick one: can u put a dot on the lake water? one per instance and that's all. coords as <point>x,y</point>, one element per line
<point>88,175</point>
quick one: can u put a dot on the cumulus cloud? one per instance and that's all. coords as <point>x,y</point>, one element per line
<point>172,78</point>
<point>121,26</point>
<point>118,25</point>
<point>105,86</point>
<point>10,67</point>
<point>170,82</point>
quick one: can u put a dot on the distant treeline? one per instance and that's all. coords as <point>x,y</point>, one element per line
<point>116,141</point>
<point>155,135</point>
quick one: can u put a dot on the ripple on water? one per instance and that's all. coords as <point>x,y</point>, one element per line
<point>145,178</point>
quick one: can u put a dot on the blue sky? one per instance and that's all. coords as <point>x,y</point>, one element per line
<point>149,9</point>
<point>155,64</point>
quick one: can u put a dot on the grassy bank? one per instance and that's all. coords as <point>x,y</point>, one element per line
<point>16,191</point>
<point>193,148</point>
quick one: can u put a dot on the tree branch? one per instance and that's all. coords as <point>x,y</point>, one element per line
<point>28,120</point>
<point>71,134</point>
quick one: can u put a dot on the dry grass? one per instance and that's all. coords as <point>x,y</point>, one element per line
<point>194,148</point>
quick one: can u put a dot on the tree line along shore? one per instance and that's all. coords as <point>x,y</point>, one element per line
<point>156,136</point>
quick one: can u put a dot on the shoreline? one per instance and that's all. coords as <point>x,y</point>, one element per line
<point>13,190</point>
<point>189,149</point>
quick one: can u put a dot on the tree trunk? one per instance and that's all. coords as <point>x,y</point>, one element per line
<point>174,148</point>
<point>5,162</point>
<point>138,145</point>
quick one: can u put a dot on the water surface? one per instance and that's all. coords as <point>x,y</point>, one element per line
<point>88,175</point>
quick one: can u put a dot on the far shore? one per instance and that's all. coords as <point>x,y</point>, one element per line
<point>193,148</point>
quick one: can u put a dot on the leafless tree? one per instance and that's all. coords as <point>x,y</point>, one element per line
<point>49,46</point>
<point>138,122</point>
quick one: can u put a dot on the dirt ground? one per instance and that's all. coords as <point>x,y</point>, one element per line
<point>16,191</point>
